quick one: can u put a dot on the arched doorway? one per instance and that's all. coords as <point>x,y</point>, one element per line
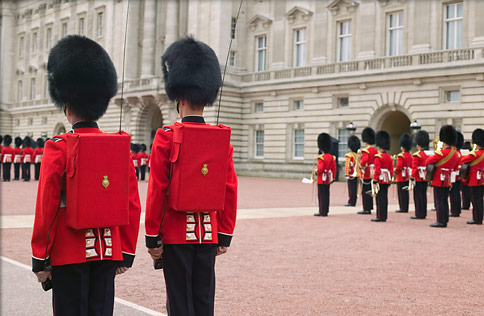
<point>59,129</point>
<point>150,120</point>
<point>396,123</point>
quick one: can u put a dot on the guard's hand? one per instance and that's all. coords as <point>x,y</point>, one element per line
<point>221,250</point>
<point>43,276</point>
<point>155,253</point>
<point>121,270</point>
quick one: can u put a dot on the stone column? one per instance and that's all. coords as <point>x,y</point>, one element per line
<point>171,22</point>
<point>147,58</point>
<point>132,50</point>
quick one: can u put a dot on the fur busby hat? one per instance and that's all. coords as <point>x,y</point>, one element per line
<point>143,148</point>
<point>191,71</point>
<point>40,142</point>
<point>7,140</point>
<point>383,140</point>
<point>324,142</point>
<point>27,142</point>
<point>477,137</point>
<point>448,135</point>
<point>368,136</point>
<point>135,148</point>
<point>467,145</point>
<point>82,76</point>
<point>18,141</point>
<point>422,139</point>
<point>354,143</point>
<point>459,140</point>
<point>406,141</point>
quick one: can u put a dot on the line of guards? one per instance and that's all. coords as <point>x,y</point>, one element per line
<point>21,156</point>
<point>446,169</point>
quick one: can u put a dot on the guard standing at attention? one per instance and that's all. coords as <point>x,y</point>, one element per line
<point>351,169</point>
<point>403,170</point>
<point>466,190</point>
<point>326,172</point>
<point>7,157</point>
<point>419,162</point>
<point>383,175</point>
<point>38,157</point>
<point>367,166</point>
<point>454,194</point>
<point>444,161</point>
<point>1,148</point>
<point>17,158</point>
<point>27,153</point>
<point>143,158</point>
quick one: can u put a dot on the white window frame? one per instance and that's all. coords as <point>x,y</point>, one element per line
<point>298,104</point>
<point>21,46</point>
<point>233,25</point>
<point>456,21</point>
<point>32,89</point>
<point>344,40</point>
<point>300,47</point>
<point>64,29</point>
<point>297,142</point>
<point>259,107</point>
<point>448,93</point>
<point>99,24</point>
<point>81,25</point>
<point>259,138</point>
<point>35,41</point>
<point>260,51</point>
<point>232,58</point>
<point>343,135</point>
<point>397,31</point>
<point>48,37</point>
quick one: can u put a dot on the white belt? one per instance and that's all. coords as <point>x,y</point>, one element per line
<point>327,173</point>
<point>385,175</point>
<point>421,172</point>
<point>7,157</point>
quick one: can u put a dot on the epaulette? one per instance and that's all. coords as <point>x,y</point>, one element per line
<point>438,152</point>
<point>401,155</point>
<point>473,153</point>
<point>416,154</point>
<point>365,150</point>
<point>321,157</point>
<point>348,155</point>
<point>378,155</point>
<point>334,157</point>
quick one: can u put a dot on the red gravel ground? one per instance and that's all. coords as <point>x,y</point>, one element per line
<point>339,265</point>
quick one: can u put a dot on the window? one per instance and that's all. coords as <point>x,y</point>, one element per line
<point>232,59</point>
<point>344,41</point>
<point>34,42</point>
<point>300,48</point>
<point>81,26</point>
<point>261,53</point>
<point>343,135</point>
<point>64,29</point>
<point>343,102</point>
<point>395,34</point>
<point>233,24</point>
<point>100,25</point>
<point>19,91</point>
<point>48,38</point>
<point>452,96</point>
<point>32,88</point>
<point>298,104</point>
<point>259,107</point>
<point>21,47</point>
<point>453,25</point>
<point>259,143</point>
<point>299,143</point>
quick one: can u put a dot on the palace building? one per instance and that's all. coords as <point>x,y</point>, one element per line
<point>296,68</point>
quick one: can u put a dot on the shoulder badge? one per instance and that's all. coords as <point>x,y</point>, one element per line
<point>365,150</point>
<point>439,152</point>
<point>348,155</point>
<point>334,157</point>
<point>416,154</point>
<point>321,157</point>
<point>401,155</point>
<point>378,155</point>
<point>473,153</point>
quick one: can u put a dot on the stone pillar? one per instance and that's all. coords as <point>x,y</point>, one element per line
<point>421,39</point>
<point>148,55</point>
<point>132,49</point>
<point>478,39</point>
<point>171,22</point>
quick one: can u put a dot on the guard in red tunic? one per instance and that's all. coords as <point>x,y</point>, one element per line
<point>454,194</point>
<point>367,166</point>
<point>143,158</point>
<point>1,148</point>
<point>351,169</point>
<point>326,173</point>
<point>466,190</point>
<point>383,175</point>
<point>445,161</point>
<point>38,157</point>
<point>81,263</point>
<point>475,180</point>
<point>419,163</point>
<point>27,153</point>
<point>17,158</point>
<point>135,156</point>
<point>403,170</point>
<point>190,240</point>
<point>7,157</point>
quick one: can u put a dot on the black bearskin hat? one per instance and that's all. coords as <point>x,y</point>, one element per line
<point>82,76</point>
<point>40,142</point>
<point>406,141</point>
<point>1,139</point>
<point>143,147</point>
<point>467,145</point>
<point>135,148</point>
<point>354,143</point>
<point>27,142</point>
<point>324,142</point>
<point>477,137</point>
<point>191,71</point>
<point>383,140</point>
<point>422,139</point>
<point>459,140</point>
<point>18,141</point>
<point>368,136</point>
<point>7,140</point>
<point>448,135</point>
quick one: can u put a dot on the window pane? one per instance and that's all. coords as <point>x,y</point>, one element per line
<point>459,10</point>
<point>343,141</point>
<point>458,34</point>
<point>400,42</point>
<point>450,11</point>
<point>400,19</point>
<point>450,35</point>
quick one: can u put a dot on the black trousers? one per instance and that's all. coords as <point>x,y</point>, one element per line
<point>477,201</point>
<point>367,199</point>
<point>402,196</point>
<point>442,195</point>
<point>143,172</point>
<point>137,172</point>
<point>435,199</point>
<point>26,173</point>
<point>352,191</point>
<point>466,196</point>
<point>16,171</point>
<point>7,166</point>
<point>37,170</point>
<point>382,202</point>
<point>455,199</point>
<point>323,198</point>
<point>84,289</point>
<point>420,199</point>
<point>190,279</point>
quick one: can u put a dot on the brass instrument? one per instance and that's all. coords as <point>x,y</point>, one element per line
<point>375,188</point>
<point>438,144</point>
<point>356,168</point>
<point>314,169</point>
<point>410,186</point>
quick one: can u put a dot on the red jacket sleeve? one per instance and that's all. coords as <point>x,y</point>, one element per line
<point>415,165</point>
<point>434,158</point>
<point>468,158</point>
<point>333,168</point>
<point>399,167</point>
<point>378,166</point>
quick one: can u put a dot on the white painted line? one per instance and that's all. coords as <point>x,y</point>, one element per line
<point>116,299</point>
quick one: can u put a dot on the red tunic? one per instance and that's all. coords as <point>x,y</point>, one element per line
<point>367,161</point>
<point>65,244</point>
<point>175,227</point>
<point>27,154</point>
<point>37,158</point>
<point>443,172</point>
<point>476,172</point>
<point>419,161</point>
<point>403,169</point>
<point>383,168</point>
<point>326,169</point>
<point>17,155</point>
<point>350,165</point>
<point>135,158</point>
<point>143,158</point>
<point>7,154</point>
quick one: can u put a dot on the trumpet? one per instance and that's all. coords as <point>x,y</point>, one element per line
<point>410,186</point>
<point>357,164</point>
<point>313,170</point>
<point>375,188</point>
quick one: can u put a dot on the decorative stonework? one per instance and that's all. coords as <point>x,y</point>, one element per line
<point>336,5</point>
<point>292,14</point>
<point>254,22</point>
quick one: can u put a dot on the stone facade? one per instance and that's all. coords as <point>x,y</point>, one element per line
<point>296,68</point>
